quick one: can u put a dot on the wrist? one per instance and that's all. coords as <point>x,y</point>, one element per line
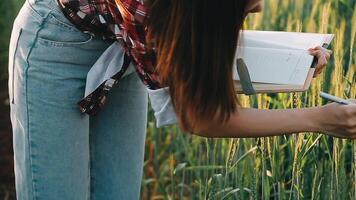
<point>315,117</point>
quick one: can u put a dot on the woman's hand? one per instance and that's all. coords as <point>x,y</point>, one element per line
<point>339,120</point>
<point>323,56</point>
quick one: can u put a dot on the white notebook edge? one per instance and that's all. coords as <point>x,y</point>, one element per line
<point>283,88</point>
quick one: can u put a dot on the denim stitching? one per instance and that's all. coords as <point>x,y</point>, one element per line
<point>91,161</point>
<point>64,24</point>
<point>26,97</point>
<point>62,44</point>
<point>34,13</point>
<point>58,16</point>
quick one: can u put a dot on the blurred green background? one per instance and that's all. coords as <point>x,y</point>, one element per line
<point>298,166</point>
<point>8,10</point>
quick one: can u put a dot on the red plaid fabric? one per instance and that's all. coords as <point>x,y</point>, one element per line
<point>123,21</point>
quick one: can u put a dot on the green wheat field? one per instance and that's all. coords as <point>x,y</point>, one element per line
<point>295,166</point>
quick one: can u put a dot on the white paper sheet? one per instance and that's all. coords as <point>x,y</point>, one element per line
<point>278,57</point>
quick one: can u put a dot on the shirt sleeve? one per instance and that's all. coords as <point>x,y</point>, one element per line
<point>162,106</point>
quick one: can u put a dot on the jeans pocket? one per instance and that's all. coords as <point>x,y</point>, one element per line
<point>13,46</point>
<point>55,32</point>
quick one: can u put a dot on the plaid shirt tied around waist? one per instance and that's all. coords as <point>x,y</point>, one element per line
<point>114,20</point>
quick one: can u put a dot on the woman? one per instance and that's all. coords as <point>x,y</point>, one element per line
<point>61,153</point>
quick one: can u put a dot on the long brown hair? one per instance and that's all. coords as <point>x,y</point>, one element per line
<point>195,43</point>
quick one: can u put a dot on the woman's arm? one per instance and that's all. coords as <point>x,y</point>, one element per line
<point>251,122</point>
<point>333,119</point>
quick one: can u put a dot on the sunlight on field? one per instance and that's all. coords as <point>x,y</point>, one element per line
<point>298,166</point>
<point>304,166</point>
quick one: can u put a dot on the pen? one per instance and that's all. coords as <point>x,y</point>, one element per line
<point>334,98</point>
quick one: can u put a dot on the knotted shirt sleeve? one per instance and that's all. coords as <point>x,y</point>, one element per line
<point>162,106</point>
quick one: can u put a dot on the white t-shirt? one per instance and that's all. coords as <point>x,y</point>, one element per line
<point>109,63</point>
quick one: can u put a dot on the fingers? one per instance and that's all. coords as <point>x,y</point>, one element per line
<point>323,55</point>
<point>352,101</point>
<point>320,53</point>
<point>322,62</point>
<point>342,120</point>
<point>328,51</point>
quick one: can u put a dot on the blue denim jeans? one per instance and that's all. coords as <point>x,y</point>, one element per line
<point>60,153</point>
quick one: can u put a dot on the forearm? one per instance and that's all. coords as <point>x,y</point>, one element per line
<point>251,122</point>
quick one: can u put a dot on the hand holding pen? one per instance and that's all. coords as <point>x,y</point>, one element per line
<point>335,99</point>
<point>338,118</point>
